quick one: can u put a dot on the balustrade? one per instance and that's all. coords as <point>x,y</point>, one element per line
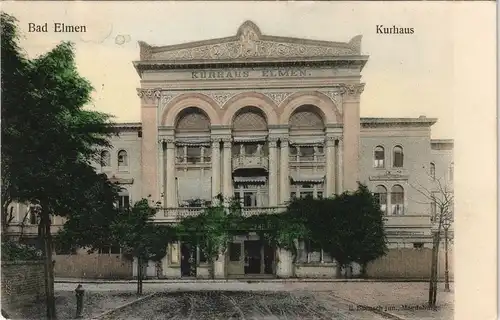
<point>185,212</point>
<point>250,162</point>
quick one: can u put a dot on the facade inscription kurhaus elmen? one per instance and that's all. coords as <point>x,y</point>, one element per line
<point>265,119</point>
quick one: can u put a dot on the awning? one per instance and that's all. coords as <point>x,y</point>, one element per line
<point>250,179</point>
<point>312,141</point>
<point>250,139</point>
<point>189,141</point>
<point>316,178</point>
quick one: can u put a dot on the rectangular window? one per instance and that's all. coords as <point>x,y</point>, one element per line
<point>115,250</point>
<point>418,245</point>
<point>104,250</point>
<point>202,257</point>
<point>193,154</point>
<point>306,194</point>
<point>207,152</point>
<point>234,251</point>
<point>249,199</point>
<point>306,153</point>
<point>124,202</point>
<point>33,216</point>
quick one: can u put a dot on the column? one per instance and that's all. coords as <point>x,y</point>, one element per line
<point>215,167</point>
<point>339,162</point>
<point>227,188</point>
<point>273,172</point>
<point>330,163</point>
<point>284,172</point>
<point>161,172</point>
<point>171,188</point>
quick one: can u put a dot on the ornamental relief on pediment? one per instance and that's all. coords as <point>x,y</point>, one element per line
<point>250,49</point>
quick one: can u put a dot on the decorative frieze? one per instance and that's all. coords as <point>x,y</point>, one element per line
<point>149,96</point>
<point>278,96</point>
<point>221,97</point>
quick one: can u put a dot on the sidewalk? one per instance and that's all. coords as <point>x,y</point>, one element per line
<point>236,280</point>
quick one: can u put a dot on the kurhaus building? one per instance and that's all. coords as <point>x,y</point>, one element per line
<point>265,119</point>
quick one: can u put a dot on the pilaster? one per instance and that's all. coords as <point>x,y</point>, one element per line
<point>227,188</point>
<point>215,166</point>
<point>170,187</point>
<point>349,149</point>
<point>273,171</point>
<point>331,164</point>
<point>284,171</point>
<point>149,145</point>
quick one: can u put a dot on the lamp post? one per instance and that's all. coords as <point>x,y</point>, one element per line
<point>446,226</point>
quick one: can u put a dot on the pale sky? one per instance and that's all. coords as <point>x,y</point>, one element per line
<point>406,76</point>
<point>446,70</point>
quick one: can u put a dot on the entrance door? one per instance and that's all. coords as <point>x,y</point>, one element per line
<point>268,259</point>
<point>235,263</point>
<point>188,260</point>
<point>253,256</point>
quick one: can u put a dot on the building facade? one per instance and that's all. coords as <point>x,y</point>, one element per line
<point>265,119</point>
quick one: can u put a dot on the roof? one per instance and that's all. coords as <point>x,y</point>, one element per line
<point>419,120</point>
<point>249,46</point>
<point>128,125</point>
<point>442,141</point>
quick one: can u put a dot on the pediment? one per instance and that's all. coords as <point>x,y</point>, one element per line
<point>250,44</point>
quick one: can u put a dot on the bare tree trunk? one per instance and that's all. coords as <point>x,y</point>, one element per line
<point>434,271</point>
<point>48,263</point>
<point>139,275</point>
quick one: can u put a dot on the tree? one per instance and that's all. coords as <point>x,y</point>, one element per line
<point>441,198</point>
<point>48,140</point>
<point>349,226</point>
<point>369,237</point>
<point>211,229</point>
<point>134,231</point>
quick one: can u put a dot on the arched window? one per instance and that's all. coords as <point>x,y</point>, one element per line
<point>122,158</point>
<point>397,199</point>
<point>105,159</point>
<point>379,157</point>
<point>397,159</point>
<point>451,171</point>
<point>381,197</point>
<point>432,171</point>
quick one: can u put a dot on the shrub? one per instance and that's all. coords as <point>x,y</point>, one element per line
<point>14,251</point>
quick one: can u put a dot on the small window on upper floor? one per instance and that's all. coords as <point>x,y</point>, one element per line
<point>379,157</point>
<point>105,159</point>
<point>397,200</point>
<point>432,171</point>
<point>397,157</point>
<point>418,245</point>
<point>122,159</point>
<point>451,171</point>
